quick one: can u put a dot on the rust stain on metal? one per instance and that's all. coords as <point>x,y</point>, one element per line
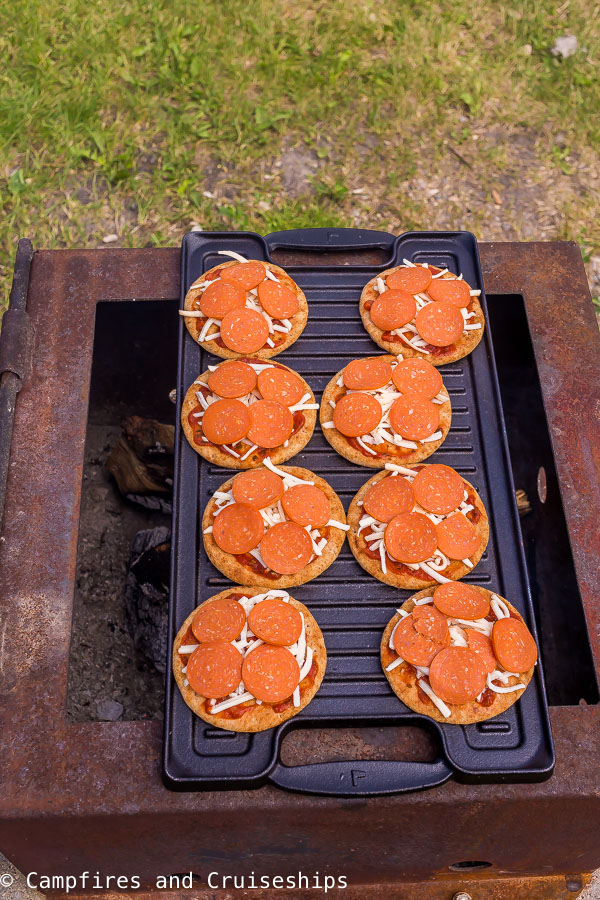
<point>97,788</point>
<point>566,342</point>
<point>551,887</point>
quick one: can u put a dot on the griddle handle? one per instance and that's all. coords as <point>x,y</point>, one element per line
<point>361,778</point>
<point>323,239</point>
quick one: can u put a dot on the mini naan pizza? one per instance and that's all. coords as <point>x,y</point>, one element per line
<point>248,660</point>
<point>382,409</point>
<point>413,527</point>
<point>239,412</point>
<point>274,526</point>
<point>245,307</point>
<point>424,311</point>
<point>458,653</point>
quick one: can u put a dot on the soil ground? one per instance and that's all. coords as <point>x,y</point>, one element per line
<point>104,665</point>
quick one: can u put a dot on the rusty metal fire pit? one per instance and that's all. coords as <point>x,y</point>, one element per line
<point>89,796</point>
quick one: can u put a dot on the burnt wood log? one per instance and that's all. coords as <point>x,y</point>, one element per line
<point>142,461</point>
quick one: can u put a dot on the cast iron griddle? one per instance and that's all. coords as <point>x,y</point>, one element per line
<point>350,606</point>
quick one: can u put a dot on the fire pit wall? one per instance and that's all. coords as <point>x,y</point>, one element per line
<point>95,787</point>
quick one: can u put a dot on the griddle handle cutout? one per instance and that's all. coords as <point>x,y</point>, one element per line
<point>361,778</point>
<point>324,239</point>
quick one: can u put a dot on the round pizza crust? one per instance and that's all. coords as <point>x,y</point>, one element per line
<point>214,454</point>
<point>400,456</point>
<point>465,344</point>
<point>298,320</point>
<point>463,714</point>
<point>399,580</point>
<point>262,717</point>
<point>228,564</point>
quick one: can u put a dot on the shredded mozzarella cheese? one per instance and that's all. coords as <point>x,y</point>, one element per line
<point>457,636</point>
<point>481,625</point>
<point>502,690</point>
<point>499,607</point>
<point>394,664</point>
<point>433,574</point>
<point>382,556</point>
<point>364,446</point>
<point>233,255</point>
<point>394,467</point>
<point>432,437</point>
<point>248,452</point>
<point>435,699</point>
<point>231,701</point>
<point>335,524</point>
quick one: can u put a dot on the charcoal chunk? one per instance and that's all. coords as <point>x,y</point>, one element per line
<point>146,593</point>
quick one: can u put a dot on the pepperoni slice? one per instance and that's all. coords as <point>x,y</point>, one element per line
<point>270,673</point>
<point>278,300</point>
<point>440,324</point>
<point>461,601</point>
<point>306,504</point>
<point>286,548</point>
<point>275,622</point>
<point>457,675</point>
<point>214,669</point>
<point>357,414</point>
<point>367,374</point>
<point>514,645</point>
<point>450,290</point>
<point>457,537</point>
<point>271,423</point>
<point>219,298</point>
<point>410,538</point>
<point>412,646</point>
<point>232,379</point>
<point>389,497</point>
<point>413,417</point>
<point>258,488</point>
<point>392,309</point>
<point>417,376</point>
<point>244,330</point>
<point>221,620</point>
<point>413,279</point>
<point>439,489</point>
<point>246,275</point>
<point>280,384</point>
<point>482,645</point>
<point>226,421</point>
<point>238,528</point>
<point>430,622</point>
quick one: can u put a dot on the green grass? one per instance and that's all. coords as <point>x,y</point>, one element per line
<point>117,117</point>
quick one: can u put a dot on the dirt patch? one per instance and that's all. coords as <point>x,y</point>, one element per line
<point>502,183</point>
<point>296,166</point>
<point>104,665</point>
